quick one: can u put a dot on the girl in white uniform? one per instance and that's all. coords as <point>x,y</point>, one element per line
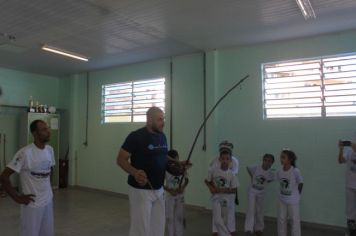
<point>222,184</point>
<point>291,185</point>
<point>175,200</point>
<point>260,176</point>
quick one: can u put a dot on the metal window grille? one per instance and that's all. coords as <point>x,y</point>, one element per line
<point>321,87</point>
<point>129,101</point>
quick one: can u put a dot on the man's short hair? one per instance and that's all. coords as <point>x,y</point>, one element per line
<point>153,110</point>
<point>33,125</point>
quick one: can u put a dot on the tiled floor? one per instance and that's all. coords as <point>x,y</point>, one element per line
<point>81,212</point>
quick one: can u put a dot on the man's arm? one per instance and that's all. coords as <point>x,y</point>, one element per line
<point>6,185</point>
<point>123,161</point>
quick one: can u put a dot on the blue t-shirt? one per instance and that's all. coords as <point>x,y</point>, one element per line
<point>149,153</point>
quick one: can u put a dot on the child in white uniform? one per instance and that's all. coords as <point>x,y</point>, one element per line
<point>291,185</point>
<point>222,184</point>
<point>260,176</point>
<point>234,167</point>
<point>347,155</point>
<point>175,200</point>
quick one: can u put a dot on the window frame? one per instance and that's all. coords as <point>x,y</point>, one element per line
<point>323,107</point>
<point>131,100</point>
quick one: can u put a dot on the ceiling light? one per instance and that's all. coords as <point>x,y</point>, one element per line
<point>306,8</point>
<point>63,52</point>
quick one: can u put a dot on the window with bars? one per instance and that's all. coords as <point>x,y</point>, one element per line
<point>320,87</point>
<point>129,101</point>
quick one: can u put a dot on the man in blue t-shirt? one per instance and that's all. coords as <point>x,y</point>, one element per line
<point>144,157</point>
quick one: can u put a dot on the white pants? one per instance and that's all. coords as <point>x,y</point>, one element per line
<point>288,212</point>
<point>175,214</point>
<point>36,221</point>
<point>147,212</point>
<point>351,204</point>
<point>255,212</point>
<point>224,215</point>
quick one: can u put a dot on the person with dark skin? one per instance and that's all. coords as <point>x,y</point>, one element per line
<point>34,164</point>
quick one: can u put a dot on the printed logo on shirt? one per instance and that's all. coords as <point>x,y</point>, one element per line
<point>175,182</point>
<point>259,182</point>
<point>220,182</point>
<point>153,147</point>
<point>285,187</point>
<point>17,161</point>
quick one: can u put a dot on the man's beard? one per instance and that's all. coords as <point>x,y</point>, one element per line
<point>156,129</point>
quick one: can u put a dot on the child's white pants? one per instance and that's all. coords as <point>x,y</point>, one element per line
<point>175,214</point>
<point>287,212</point>
<point>224,215</point>
<point>255,212</point>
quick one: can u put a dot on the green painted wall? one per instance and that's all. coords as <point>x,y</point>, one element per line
<point>239,119</point>
<point>17,87</point>
<point>314,140</point>
<point>104,140</point>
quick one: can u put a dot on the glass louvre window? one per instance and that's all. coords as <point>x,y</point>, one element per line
<point>321,87</point>
<point>129,101</point>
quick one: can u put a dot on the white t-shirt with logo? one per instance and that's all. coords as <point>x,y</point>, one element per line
<point>260,178</point>
<point>172,181</point>
<point>34,167</point>
<point>223,179</point>
<point>350,157</point>
<point>289,181</point>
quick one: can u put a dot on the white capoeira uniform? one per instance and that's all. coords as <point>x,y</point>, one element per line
<point>174,207</point>
<point>222,203</point>
<point>34,167</point>
<point>350,173</point>
<point>256,193</point>
<point>234,167</point>
<point>289,197</point>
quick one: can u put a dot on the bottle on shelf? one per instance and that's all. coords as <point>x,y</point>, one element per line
<point>37,108</point>
<point>31,108</point>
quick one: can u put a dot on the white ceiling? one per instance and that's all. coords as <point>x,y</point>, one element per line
<point>116,32</point>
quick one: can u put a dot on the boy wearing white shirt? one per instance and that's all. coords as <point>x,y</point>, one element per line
<point>33,163</point>
<point>222,183</point>
<point>226,146</point>
<point>260,176</point>
<point>347,155</point>
<point>175,200</point>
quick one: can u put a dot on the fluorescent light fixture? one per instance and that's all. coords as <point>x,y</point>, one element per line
<point>306,8</point>
<point>63,52</point>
